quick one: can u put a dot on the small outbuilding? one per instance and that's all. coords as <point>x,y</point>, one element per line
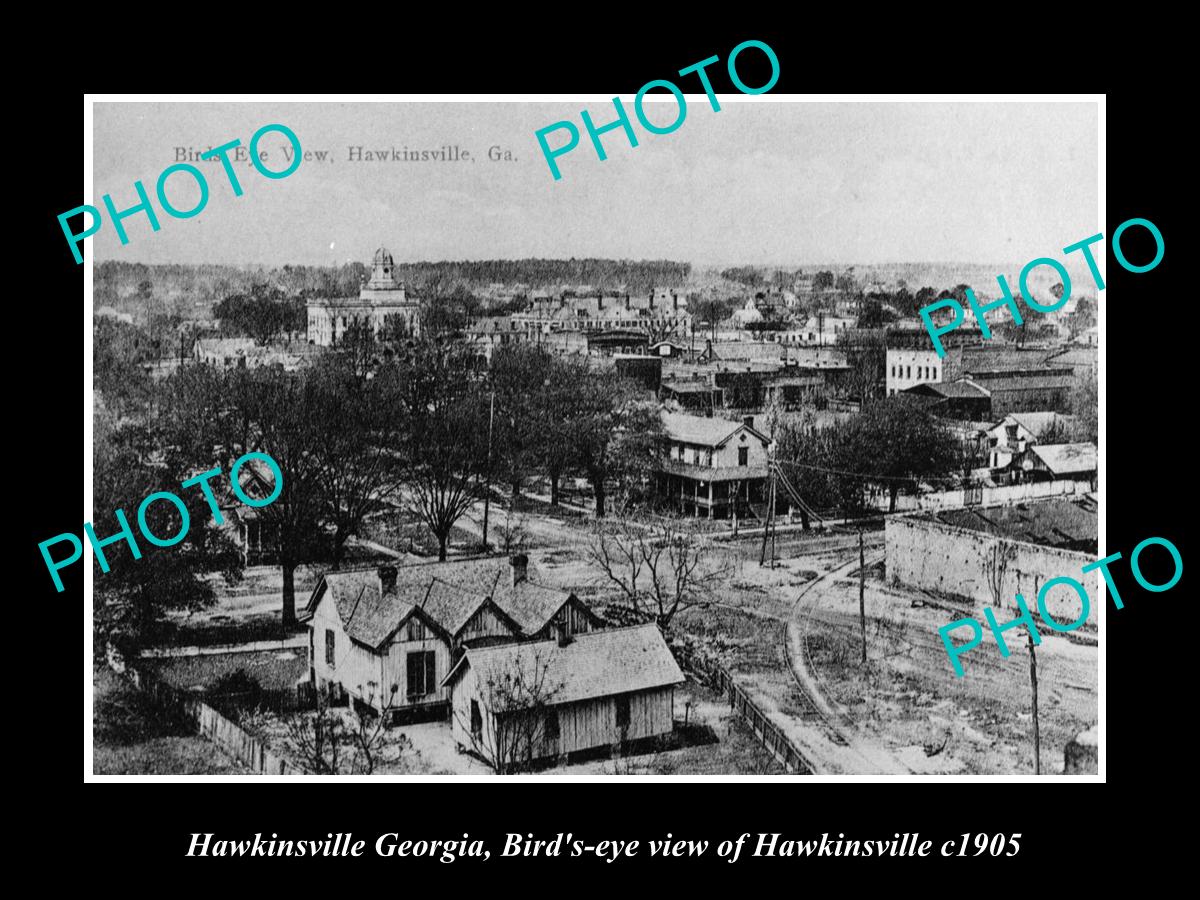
<point>517,703</point>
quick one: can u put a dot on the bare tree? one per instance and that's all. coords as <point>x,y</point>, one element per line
<point>660,567</point>
<point>518,701</point>
<point>995,569</point>
<point>512,535</point>
<point>355,743</point>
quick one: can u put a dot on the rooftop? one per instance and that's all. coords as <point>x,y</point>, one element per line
<point>1066,524</point>
<point>1064,458</point>
<point>594,664</point>
<point>700,430</point>
<point>952,389</point>
<point>448,593</point>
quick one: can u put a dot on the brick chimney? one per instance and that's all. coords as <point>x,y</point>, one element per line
<point>387,579</point>
<point>748,421</point>
<point>520,568</point>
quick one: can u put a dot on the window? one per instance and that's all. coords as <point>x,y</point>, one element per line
<point>935,373</point>
<point>421,673</point>
<point>329,647</point>
<point>623,712</point>
<point>551,726</point>
<point>908,370</point>
<point>477,720</point>
<point>743,456</point>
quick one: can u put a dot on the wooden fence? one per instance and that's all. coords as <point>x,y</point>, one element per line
<point>767,732</point>
<point>222,731</point>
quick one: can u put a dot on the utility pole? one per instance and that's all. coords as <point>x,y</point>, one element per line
<point>762,557</point>
<point>1037,737</point>
<point>487,492</point>
<point>862,609</point>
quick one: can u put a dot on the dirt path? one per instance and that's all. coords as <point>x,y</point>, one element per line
<point>848,751</point>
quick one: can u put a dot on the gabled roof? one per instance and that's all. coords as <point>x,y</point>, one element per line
<point>594,664</point>
<point>532,606</point>
<point>446,595</point>
<point>1062,458</point>
<point>1034,422</point>
<point>703,431</point>
<point>960,389</point>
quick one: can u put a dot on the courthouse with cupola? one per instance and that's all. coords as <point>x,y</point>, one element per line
<point>382,302</point>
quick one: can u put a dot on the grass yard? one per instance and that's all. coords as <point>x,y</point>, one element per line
<point>131,736</point>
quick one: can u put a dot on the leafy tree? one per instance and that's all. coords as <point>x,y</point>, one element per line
<point>1085,406</point>
<point>897,442</point>
<point>351,431</point>
<point>921,299</point>
<point>813,458</point>
<point>134,594</point>
<point>1083,316</point>
<point>617,436</point>
<point>263,313</point>
<point>823,281</point>
<point>747,275</point>
<point>216,416</point>
<point>521,376</point>
<point>712,311</point>
<point>868,356</point>
<point>846,283</point>
<point>120,352</point>
<point>359,348</point>
<point>892,442</point>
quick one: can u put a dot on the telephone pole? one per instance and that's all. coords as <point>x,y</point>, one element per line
<point>1037,738</point>
<point>487,492</point>
<point>862,609</point>
<point>762,557</point>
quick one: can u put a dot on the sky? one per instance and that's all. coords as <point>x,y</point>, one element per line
<point>760,182</point>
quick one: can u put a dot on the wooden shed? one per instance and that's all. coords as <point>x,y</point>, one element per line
<point>515,703</point>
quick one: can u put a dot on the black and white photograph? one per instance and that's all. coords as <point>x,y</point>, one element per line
<point>474,439</point>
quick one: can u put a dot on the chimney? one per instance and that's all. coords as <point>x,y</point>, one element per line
<point>387,579</point>
<point>520,568</point>
<point>748,421</point>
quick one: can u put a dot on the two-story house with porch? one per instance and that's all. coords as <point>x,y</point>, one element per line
<point>712,467</point>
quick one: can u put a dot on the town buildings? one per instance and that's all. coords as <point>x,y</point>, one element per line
<point>660,314</point>
<point>382,302</point>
